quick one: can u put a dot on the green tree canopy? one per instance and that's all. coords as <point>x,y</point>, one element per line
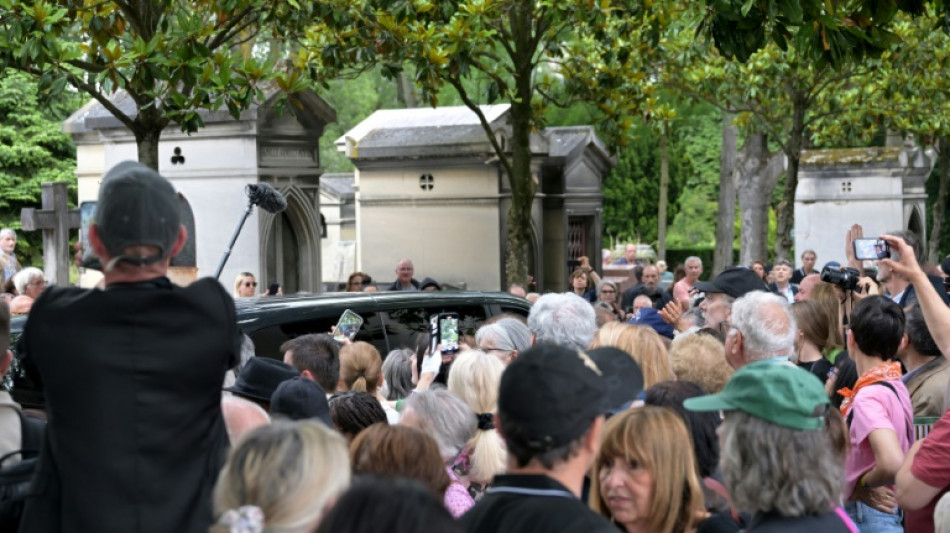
<point>172,58</point>
<point>33,150</point>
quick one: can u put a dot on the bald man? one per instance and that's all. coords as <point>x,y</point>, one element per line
<point>404,280</point>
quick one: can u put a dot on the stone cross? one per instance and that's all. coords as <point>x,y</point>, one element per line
<point>56,219</point>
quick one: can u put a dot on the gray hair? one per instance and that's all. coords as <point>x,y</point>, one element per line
<point>606,283</point>
<point>762,463</point>
<point>507,334</point>
<point>7,231</point>
<point>397,371</point>
<point>692,258</point>
<point>767,325</point>
<point>564,319</point>
<point>444,417</point>
<point>23,278</point>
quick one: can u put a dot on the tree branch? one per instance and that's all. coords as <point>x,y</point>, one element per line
<point>222,34</point>
<point>92,91</point>
<point>463,94</point>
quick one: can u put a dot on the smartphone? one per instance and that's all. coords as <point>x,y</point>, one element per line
<point>449,332</point>
<point>87,217</point>
<point>273,288</point>
<point>348,325</point>
<point>871,249</point>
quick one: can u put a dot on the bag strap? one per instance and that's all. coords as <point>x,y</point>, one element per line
<point>31,434</point>
<point>910,428</point>
<point>717,487</point>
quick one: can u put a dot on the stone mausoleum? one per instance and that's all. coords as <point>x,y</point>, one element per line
<point>881,188</point>
<point>210,169</point>
<point>429,187</point>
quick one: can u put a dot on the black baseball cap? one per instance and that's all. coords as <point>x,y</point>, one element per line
<point>301,399</point>
<point>734,281</point>
<point>260,377</point>
<point>137,206</point>
<point>623,377</point>
<point>553,394</point>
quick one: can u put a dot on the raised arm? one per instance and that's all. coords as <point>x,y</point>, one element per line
<point>936,313</point>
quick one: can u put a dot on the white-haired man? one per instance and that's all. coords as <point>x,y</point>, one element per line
<point>564,319</point>
<point>762,328</point>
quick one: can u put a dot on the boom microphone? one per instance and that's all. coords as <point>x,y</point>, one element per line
<point>266,197</point>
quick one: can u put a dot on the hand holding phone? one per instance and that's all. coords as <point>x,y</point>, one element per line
<point>347,327</point>
<point>871,249</point>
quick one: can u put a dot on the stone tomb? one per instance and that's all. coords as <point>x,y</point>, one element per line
<point>210,169</point>
<point>429,188</point>
<point>881,188</point>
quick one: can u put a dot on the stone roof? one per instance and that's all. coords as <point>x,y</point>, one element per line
<point>93,115</point>
<point>570,141</point>
<point>421,132</point>
<point>338,184</point>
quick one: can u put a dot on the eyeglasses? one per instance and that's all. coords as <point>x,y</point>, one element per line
<point>37,282</point>
<point>250,284</point>
<point>725,327</point>
<point>608,291</point>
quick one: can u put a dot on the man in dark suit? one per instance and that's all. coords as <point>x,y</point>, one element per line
<point>132,376</point>
<point>782,272</point>
<point>809,257</point>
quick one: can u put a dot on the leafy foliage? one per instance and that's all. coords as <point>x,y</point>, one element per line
<point>172,57</point>
<point>33,150</point>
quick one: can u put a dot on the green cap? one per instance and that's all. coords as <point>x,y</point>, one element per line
<point>782,394</point>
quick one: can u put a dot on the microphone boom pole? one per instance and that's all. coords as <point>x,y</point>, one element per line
<point>237,231</point>
<point>262,195</point>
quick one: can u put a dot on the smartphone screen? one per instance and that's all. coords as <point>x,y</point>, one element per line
<point>348,325</point>
<point>871,249</point>
<point>87,217</point>
<point>449,332</point>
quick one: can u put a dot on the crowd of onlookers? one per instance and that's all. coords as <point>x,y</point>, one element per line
<point>765,399</point>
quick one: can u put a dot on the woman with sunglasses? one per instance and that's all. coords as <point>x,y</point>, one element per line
<point>245,286</point>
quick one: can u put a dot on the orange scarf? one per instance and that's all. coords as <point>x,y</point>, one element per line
<point>885,372</point>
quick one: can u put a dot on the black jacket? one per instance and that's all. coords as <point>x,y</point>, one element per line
<point>133,377</point>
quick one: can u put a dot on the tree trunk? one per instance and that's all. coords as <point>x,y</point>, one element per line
<point>785,213</point>
<point>758,173</point>
<point>523,184</point>
<point>726,218</point>
<point>664,190</point>
<point>147,143</point>
<point>940,203</point>
<point>147,128</point>
<point>405,92</point>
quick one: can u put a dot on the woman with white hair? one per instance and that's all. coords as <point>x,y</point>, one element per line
<point>281,477</point>
<point>503,339</point>
<point>452,423</point>
<point>29,283</point>
<point>475,378</point>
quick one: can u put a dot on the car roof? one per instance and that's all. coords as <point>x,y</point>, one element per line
<point>267,309</point>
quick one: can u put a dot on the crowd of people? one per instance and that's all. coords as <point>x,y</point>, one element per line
<point>748,402</point>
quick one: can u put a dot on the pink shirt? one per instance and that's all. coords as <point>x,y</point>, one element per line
<point>877,407</point>
<point>457,499</point>
<point>681,289</point>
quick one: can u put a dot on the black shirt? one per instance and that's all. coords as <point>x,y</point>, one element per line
<point>830,522</point>
<point>532,503</point>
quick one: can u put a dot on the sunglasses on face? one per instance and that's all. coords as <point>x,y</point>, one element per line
<point>250,284</point>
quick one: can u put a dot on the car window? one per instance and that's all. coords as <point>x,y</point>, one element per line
<point>267,340</point>
<point>407,328</point>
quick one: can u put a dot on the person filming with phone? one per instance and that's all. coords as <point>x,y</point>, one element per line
<point>897,286</point>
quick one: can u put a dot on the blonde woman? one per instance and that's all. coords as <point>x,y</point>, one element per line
<point>643,344</point>
<point>475,378</point>
<point>245,285</point>
<point>282,478</point>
